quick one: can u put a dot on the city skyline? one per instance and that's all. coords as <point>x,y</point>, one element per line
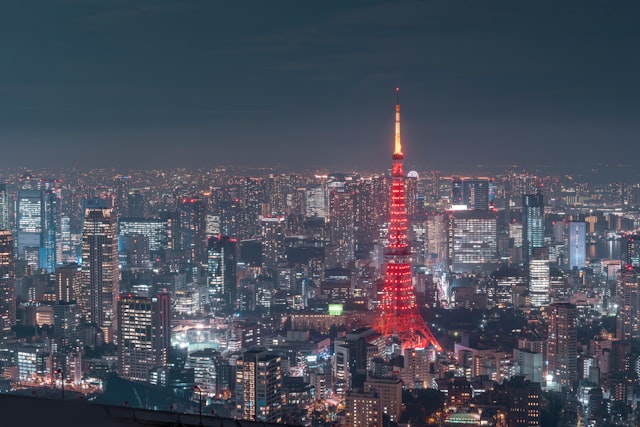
<point>191,84</point>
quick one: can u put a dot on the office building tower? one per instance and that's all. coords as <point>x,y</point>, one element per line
<point>475,194</point>
<point>173,231</point>
<point>4,207</point>
<point>532,224</point>
<point>363,409</point>
<point>539,277</point>
<point>193,218</point>
<point>135,204</point>
<point>66,320</point>
<point>389,389</point>
<point>398,316</point>
<point>7,283</point>
<point>632,250</point>
<point>562,357</point>
<point>457,198</point>
<point>49,246</point>
<point>100,275</point>
<point>67,282</point>
<point>154,229</point>
<point>471,239</point>
<point>221,273</point>
<point>628,295</point>
<point>341,249</point>
<point>122,184</point>
<point>258,386</point>
<point>30,223</point>
<point>577,245</point>
<point>273,237</point>
<point>144,333</point>
<point>317,201</point>
<point>523,402</point>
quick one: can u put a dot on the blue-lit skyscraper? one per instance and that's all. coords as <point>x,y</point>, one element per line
<point>532,224</point>
<point>221,273</point>
<point>577,245</point>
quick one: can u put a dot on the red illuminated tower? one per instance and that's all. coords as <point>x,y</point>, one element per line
<point>398,315</point>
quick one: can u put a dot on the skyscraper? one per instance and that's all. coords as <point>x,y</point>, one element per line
<point>532,224</point>
<point>562,357</point>
<point>341,226</point>
<point>472,239</point>
<point>577,245</point>
<point>100,277</point>
<point>193,217</point>
<point>221,273</point>
<point>398,316</point>
<point>628,294</point>
<point>7,283</point>
<point>475,193</point>
<point>4,207</point>
<point>258,386</point>
<point>143,334</point>
<point>539,277</point>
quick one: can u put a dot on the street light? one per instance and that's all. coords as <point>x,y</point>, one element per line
<point>199,391</point>
<point>61,373</point>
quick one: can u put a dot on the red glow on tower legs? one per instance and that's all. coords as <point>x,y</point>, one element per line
<point>398,315</point>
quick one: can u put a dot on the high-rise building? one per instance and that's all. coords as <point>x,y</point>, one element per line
<point>562,357</point>
<point>4,207</point>
<point>29,222</point>
<point>67,282</point>
<point>135,204</point>
<point>221,273</point>
<point>472,239</point>
<point>532,224</point>
<point>122,184</point>
<point>363,409</point>
<point>171,220</point>
<point>258,386</point>
<point>7,283</point>
<point>193,218</point>
<point>144,333</point>
<point>475,194</point>
<point>632,250</point>
<point>539,277</point>
<point>577,245</point>
<point>398,316</point>
<point>628,295</point>
<point>341,226</point>
<point>66,320</point>
<point>100,275</point>
<point>273,237</point>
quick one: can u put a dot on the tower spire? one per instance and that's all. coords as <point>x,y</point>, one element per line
<point>397,152</point>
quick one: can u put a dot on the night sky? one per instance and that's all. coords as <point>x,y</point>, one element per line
<point>310,84</point>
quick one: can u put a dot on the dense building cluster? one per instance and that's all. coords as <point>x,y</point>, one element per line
<point>298,298</point>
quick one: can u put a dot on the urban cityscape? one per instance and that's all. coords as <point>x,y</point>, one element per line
<point>229,214</point>
<point>325,299</point>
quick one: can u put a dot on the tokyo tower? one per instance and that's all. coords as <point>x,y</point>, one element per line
<point>398,316</point>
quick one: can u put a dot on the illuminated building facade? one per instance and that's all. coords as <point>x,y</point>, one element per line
<point>475,194</point>
<point>341,226</point>
<point>258,386</point>
<point>273,237</point>
<point>100,275</point>
<point>628,293</point>
<point>155,230</point>
<point>532,224</point>
<point>562,357</point>
<point>67,282</point>
<point>221,273</point>
<point>4,208</point>
<point>193,218</point>
<point>539,278</point>
<point>7,283</point>
<point>398,316</point>
<point>472,239</point>
<point>363,409</point>
<point>144,333</point>
<point>577,245</point>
